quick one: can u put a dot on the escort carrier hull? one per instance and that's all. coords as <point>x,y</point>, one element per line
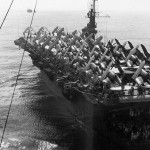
<point>108,81</point>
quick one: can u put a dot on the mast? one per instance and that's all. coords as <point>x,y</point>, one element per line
<point>92,25</point>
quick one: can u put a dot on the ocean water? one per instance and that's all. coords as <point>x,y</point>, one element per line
<point>38,119</point>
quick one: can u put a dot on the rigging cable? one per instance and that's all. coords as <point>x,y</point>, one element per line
<point>106,31</point>
<point>17,76</point>
<point>6,14</point>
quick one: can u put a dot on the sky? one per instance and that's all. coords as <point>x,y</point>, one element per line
<point>78,5</point>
